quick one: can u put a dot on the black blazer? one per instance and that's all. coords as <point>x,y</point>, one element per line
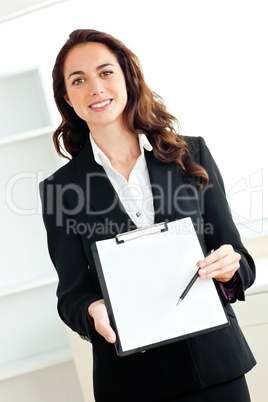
<point>80,207</point>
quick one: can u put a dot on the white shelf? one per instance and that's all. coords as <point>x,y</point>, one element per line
<point>26,135</point>
<point>36,362</point>
<point>23,106</point>
<point>32,335</point>
<point>29,285</point>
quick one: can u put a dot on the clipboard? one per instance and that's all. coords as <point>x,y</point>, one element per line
<point>142,273</point>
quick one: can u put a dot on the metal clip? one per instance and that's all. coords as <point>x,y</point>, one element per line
<point>142,231</point>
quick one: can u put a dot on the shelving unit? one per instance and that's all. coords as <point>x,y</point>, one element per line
<point>32,336</point>
<point>38,362</point>
<point>26,136</point>
<point>22,103</point>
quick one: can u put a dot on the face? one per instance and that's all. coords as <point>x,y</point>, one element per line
<point>95,85</point>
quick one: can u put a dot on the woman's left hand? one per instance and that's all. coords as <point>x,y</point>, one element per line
<point>220,265</point>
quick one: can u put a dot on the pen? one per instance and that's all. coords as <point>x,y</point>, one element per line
<point>190,284</point>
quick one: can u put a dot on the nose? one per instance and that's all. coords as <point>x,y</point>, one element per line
<point>96,88</point>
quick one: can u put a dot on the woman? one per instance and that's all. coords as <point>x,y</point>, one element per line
<point>121,138</point>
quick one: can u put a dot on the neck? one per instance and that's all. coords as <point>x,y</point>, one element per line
<point>118,144</point>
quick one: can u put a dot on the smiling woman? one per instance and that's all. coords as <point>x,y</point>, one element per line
<point>122,139</point>
<point>145,111</point>
<point>97,94</point>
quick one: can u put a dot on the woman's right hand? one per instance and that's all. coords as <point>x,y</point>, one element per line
<point>98,312</point>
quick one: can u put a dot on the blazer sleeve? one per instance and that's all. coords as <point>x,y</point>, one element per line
<point>218,218</point>
<point>75,290</point>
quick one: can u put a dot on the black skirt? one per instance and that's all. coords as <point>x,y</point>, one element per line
<point>234,391</point>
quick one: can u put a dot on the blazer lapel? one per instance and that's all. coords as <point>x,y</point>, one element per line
<point>166,183</point>
<point>100,196</point>
<point>101,199</point>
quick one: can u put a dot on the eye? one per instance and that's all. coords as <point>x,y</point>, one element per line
<point>106,73</point>
<point>78,81</point>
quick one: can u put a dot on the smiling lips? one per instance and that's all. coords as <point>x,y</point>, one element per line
<point>99,106</point>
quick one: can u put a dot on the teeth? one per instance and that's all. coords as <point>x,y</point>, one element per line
<point>100,104</point>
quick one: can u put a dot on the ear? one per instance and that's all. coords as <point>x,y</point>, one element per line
<point>68,100</point>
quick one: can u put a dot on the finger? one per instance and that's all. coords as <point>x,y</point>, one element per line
<point>217,265</point>
<point>102,326</point>
<point>218,254</point>
<point>219,271</point>
<point>227,262</point>
<point>98,311</point>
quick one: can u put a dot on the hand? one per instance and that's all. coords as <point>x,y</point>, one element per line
<point>98,312</point>
<point>220,265</point>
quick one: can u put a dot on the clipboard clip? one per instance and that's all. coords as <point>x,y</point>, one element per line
<point>142,231</point>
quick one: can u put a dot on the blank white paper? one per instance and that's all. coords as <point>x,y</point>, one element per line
<point>145,278</point>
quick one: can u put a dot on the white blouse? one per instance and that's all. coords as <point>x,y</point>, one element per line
<point>136,193</point>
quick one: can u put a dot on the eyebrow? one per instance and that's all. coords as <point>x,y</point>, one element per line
<point>82,72</point>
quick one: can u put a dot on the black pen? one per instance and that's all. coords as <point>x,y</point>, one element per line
<point>190,284</point>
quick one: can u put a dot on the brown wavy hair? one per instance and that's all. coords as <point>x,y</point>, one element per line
<point>145,111</point>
